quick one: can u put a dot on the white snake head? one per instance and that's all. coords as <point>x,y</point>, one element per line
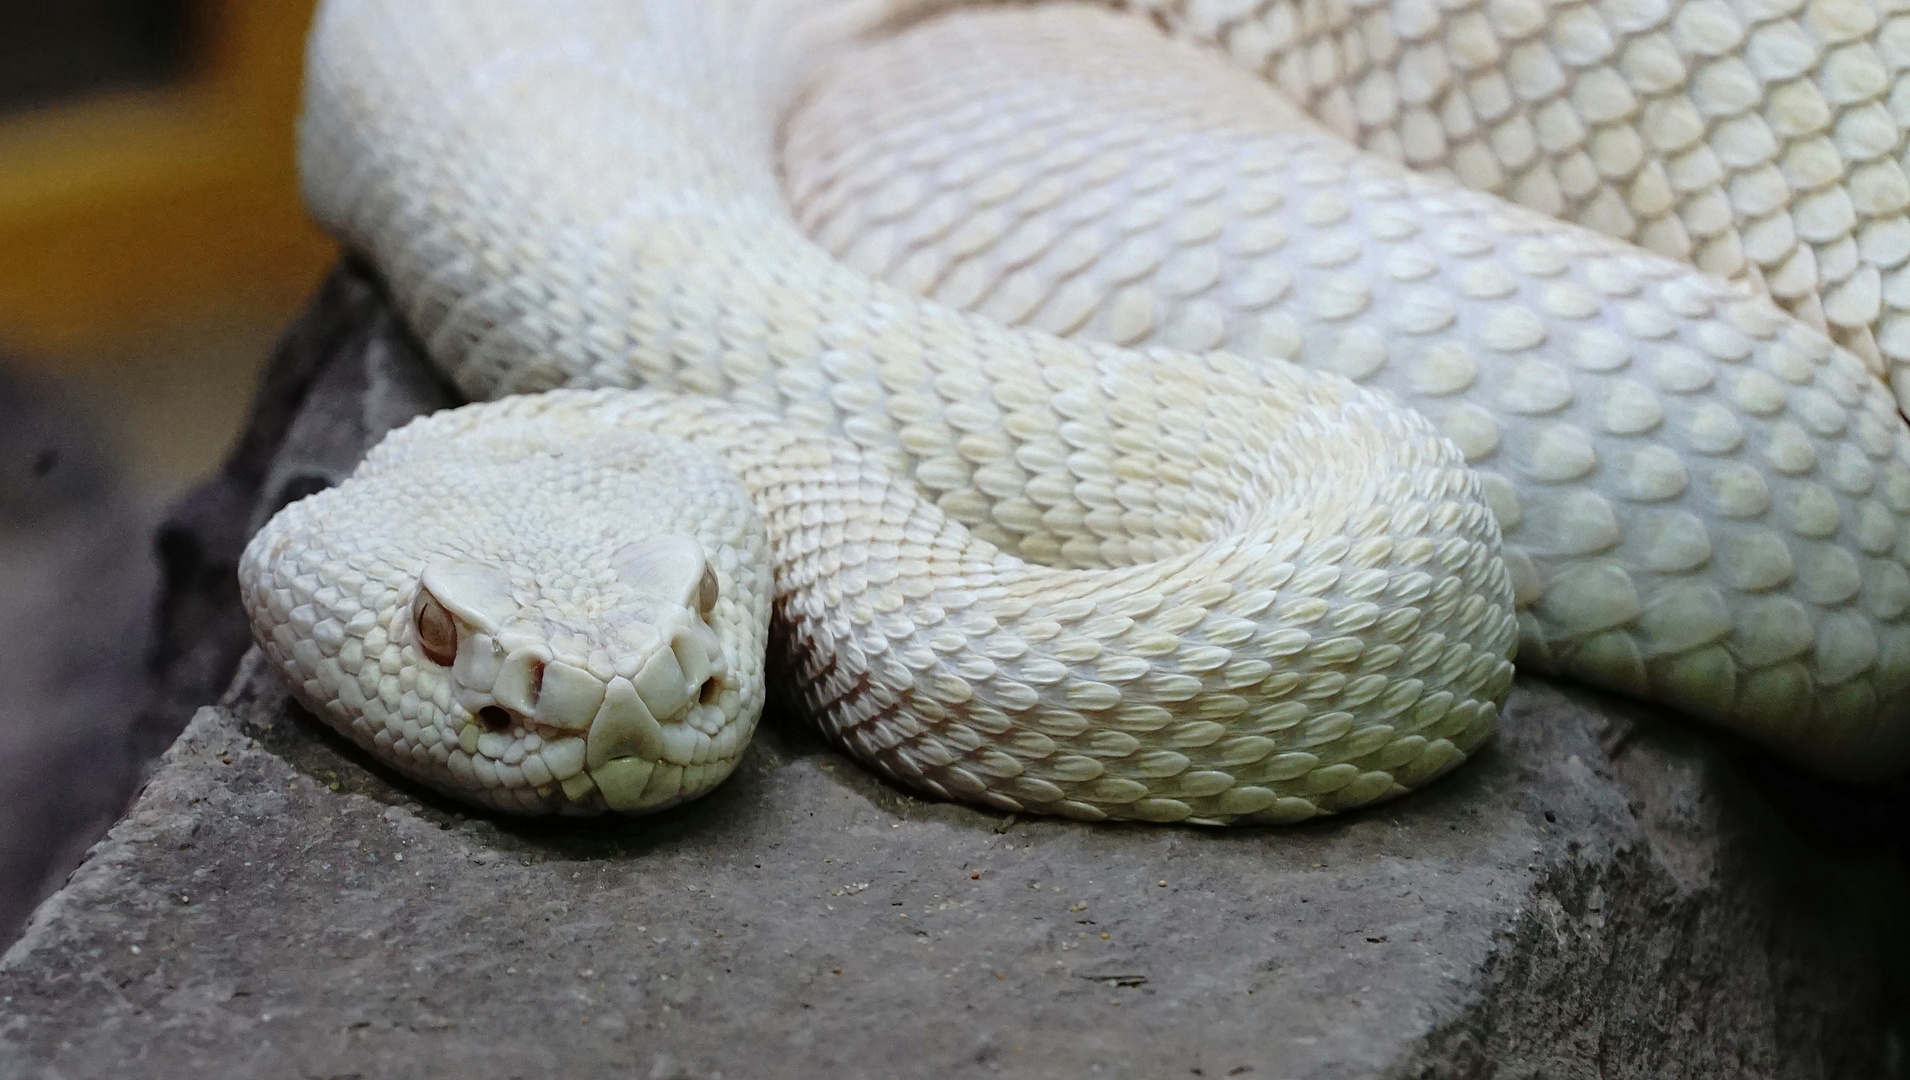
<point>522,619</point>
<point>525,669</point>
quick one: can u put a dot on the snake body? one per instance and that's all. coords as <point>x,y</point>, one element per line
<point>1125,575</point>
<point>1760,141</point>
<point>1677,524</point>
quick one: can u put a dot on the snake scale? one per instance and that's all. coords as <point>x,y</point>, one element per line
<point>1179,413</point>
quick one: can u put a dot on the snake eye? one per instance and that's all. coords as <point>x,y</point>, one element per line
<point>706,592</point>
<point>437,631</point>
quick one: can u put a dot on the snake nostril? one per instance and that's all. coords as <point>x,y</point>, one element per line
<point>537,681</point>
<point>494,718</point>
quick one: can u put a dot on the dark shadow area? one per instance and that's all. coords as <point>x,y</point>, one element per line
<point>76,583</point>
<point>75,47</point>
<point>107,665</point>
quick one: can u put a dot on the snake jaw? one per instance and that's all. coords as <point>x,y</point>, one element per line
<point>624,744</point>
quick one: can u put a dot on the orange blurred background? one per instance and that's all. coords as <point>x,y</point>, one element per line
<point>152,246</point>
<point>152,241</point>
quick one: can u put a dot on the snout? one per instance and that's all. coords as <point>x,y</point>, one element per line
<point>640,729</point>
<point>651,728</point>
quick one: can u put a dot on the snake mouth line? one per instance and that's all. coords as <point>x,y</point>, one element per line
<point>497,718</point>
<point>503,721</point>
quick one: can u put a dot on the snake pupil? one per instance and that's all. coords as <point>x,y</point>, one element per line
<point>706,592</point>
<point>437,632</point>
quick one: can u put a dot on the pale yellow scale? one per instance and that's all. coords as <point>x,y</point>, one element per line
<point>1704,500</point>
<point>1760,140</point>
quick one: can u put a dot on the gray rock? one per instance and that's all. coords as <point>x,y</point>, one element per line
<point>343,374</point>
<point>1601,893</point>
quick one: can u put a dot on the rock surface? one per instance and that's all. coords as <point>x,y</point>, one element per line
<point>1599,894</point>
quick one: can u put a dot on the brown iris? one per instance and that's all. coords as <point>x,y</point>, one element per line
<point>437,631</point>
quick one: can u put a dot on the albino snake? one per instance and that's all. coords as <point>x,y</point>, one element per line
<point>1115,573</point>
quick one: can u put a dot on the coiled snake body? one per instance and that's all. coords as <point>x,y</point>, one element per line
<point>1066,470</point>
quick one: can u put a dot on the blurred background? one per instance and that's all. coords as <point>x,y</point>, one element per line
<point>152,246</point>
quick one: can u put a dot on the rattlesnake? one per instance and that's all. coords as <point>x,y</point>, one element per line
<point>1147,578</point>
